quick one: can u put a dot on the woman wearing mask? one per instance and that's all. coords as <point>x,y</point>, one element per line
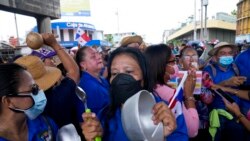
<point>161,63</point>
<point>127,74</point>
<point>21,104</point>
<point>60,91</point>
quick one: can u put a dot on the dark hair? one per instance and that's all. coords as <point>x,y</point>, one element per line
<point>79,57</point>
<point>135,53</point>
<point>157,57</point>
<point>10,78</point>
<point>1,61</point>
<point>80,54</point>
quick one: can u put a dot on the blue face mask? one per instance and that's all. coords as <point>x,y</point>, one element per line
<point>226,60</point>
<point>38,107</point>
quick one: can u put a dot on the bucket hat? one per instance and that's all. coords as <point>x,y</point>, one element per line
<point>219,46</point>
<point>44,76</point>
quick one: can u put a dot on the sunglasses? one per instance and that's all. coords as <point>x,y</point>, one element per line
<point>34,90</point>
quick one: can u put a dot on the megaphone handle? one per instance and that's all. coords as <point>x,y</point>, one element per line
<point>96,138</point>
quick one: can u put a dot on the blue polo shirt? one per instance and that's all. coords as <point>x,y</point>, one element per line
<point>97,94</point>
<point>220,76</point>
<point>38,129</point>
<point>243,63</point>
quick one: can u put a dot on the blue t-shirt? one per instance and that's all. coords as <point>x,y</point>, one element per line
<point>218,78</point>
<point>97,94</point>
<point>243,63</point>
<point>116,133</point>
<point>38,129</point>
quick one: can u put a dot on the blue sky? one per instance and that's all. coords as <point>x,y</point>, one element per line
<point>145,17</point>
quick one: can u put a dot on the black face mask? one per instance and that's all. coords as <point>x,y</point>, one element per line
<point>123,87</point>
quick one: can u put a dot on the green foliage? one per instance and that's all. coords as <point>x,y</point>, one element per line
<point>175,42</point>
<point>234,12</point>
<point>109,38</point>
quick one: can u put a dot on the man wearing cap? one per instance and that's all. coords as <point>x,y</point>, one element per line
<point>223,72</point>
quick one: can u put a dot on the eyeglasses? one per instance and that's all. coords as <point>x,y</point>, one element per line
<point>171,62</point>
<point>34,90</point>
<point>188,58</point>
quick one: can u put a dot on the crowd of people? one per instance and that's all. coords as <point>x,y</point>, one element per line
<point>38,92</point>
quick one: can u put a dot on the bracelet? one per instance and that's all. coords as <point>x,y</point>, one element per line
<point>190,98</point>
<point>239,117</point>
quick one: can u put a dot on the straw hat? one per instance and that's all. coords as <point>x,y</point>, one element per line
<point>219,46</point>
<point>44,76</point>
<point>131,39</point>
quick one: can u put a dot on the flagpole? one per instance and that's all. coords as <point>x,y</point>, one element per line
<point>173,98</point>
<point>179,88</point>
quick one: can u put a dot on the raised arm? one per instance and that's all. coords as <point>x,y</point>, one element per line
<point>67,61</point>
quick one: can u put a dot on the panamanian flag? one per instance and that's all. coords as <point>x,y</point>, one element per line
<point>175,103</point>
<point>81,36</point>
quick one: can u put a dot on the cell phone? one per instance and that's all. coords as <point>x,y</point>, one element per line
<point>224,95</point>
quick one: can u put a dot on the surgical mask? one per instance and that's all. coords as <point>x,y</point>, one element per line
<point>38,107</point>
<point>226,60</point>
<point>176,72</point>
<point>123,87</point>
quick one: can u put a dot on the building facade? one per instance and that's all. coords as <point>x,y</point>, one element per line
<point>223,28</point>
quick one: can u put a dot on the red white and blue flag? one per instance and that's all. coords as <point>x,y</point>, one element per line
<point>175,103</point>
<point>81,36</point>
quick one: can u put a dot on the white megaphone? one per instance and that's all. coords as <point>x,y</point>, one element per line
<point>68,133</point>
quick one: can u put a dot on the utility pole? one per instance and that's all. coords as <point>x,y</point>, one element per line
<point>201,30</point>
<point>17,34</point>
<point>194,20</point>
<point>205,3</point>
<point>118,23</point>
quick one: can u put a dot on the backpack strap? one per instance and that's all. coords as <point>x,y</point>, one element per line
<point>213,69</point>
<point>236,69</point>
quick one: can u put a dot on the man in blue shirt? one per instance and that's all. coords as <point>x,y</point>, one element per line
<point>222,72</point>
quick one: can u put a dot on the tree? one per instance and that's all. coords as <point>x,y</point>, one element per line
<point>109,38</point>
<point>234,12</point>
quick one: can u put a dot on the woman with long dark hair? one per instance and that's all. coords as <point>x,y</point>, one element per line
<point>162,65</point>
<point>127,72</point>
